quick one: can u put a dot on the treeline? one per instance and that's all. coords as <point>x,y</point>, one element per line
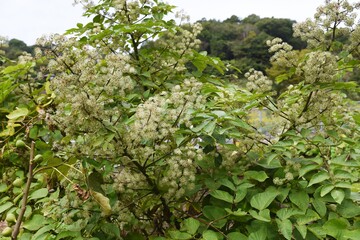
<point>13,48</point>
<point>242,42</point>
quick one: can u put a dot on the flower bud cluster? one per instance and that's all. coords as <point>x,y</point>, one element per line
<point>257,81</point>
<point>335,18</point>
<point>283,56</point>
<point>320,67</point>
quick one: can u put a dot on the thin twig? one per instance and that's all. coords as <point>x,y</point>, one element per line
<point>26,193</point>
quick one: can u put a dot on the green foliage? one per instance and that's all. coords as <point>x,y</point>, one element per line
<point>122,133</point>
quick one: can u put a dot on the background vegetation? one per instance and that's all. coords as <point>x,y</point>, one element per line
<point>127,129</point>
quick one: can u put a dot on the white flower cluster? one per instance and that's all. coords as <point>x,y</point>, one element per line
<point>283,56</point>
<point>159,116</point>
<point>335,18</point>
<point>257,81</point>
<point>320,67</point>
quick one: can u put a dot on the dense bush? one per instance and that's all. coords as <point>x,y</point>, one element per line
<point>117,132</point>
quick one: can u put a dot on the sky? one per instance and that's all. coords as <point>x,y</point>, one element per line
<point>29,19</point>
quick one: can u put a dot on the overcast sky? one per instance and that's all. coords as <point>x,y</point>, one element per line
<point>29,19</point>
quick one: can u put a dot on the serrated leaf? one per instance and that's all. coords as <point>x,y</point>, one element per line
<point>262,200</point>
<point>318,178</point>
<point>222,195</point>
<point>338,195</point>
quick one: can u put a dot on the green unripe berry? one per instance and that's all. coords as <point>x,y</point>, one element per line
<point>18,182</point>
<point>10,218</point>
<point>38,158</point>
<point>6,232</point>
<point>20,144</point>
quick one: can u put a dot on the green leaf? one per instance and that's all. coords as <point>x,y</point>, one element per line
<point>285,213</point>
<point>5,206</point>
<point>216,214</point>
<point>210,235</point>
<point>236,236</point>
<point>261,234</point>
<point>285,227</point>
<point>262,200</point>
<point>40,193</point>
<point>238,213</point>
<point>240,195</point>
<point>307,168</point>
<point>310,216</point>
<point>18,113</point>
<point>95,179</point>
<point>302,230</point>
<point>111,229</point>
<point>326,189</point>
<point>43,230</point>
<point>336,227</point>
<point>36,222</point>
<point>338,195</point>
<point>67,234</point>
<point>260,176</point>
<point>222,195</point>
<point>348,209</point>
<point>263,215</point>
<point>190,225</point>
<point>3,187</point>
<point>319,206</point>
<point>300,198</point>
<point>318,178</point>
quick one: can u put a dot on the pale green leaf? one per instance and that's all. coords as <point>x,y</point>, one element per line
<point>190,225</point>
<point>319,206</point>
<point>260,176</point>
<point>236,236</point>
<point>338,195</point>
<point>36,222</point>
<point>5,206</point>
<point>326,189</point>
<point>18,113</point>
<point>285,227</point>
<point>210,235</point>
<point>180,235</point>
<point>222,195</point>
<point>300,199</point>
<point>318,178</point>
<point>262,200</point>
<point>40,193</point>
<point>302,230</point>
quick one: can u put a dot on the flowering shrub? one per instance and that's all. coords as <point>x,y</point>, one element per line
<point>121,134</point>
